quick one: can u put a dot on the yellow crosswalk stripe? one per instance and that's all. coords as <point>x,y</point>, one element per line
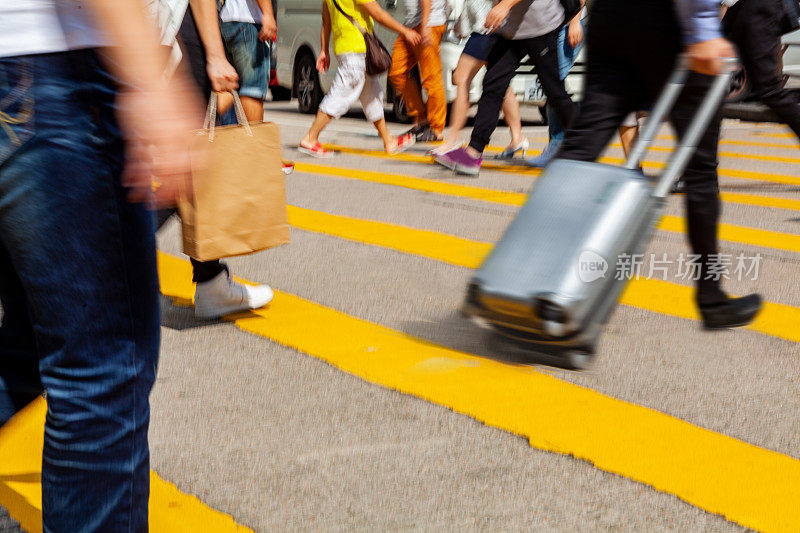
<point>494,195</point>
<point>526,170</point>
<point>663,297</point>
<point>21,441</point>
<point>722,142</point>
<point>752,486</point>
<point>728,232</point>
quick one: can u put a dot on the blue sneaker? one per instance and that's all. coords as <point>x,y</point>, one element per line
<point>546,156</point>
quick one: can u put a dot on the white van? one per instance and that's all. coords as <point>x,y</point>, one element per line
<point>299,24</point>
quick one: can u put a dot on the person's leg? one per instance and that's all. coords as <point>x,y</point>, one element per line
<point>627,136</point>
<point>312,137</point>
<point>543,50</point>
<point>404,58</point>
<point>512,117</point>
<point>464,73</point>
<point>95,309</point>
<point>253,108</point>
<point>753,26</point>
<point>501,64</point>
<point>430,68</point>
<point>19,358</point>
<point>371,99</point>
<point>609,94</point>
<point>701,185</point>
<point>250,57</point>
<point>345,91</point>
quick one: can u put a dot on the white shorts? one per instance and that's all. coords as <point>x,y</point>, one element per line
<point>352,84</point>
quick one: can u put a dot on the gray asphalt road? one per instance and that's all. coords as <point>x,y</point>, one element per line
<point>281,440</point>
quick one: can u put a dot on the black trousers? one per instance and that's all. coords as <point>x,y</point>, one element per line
<point>632,46</point>
<point>753,26</point>
<point>194,58</point>
<point>502,64</point>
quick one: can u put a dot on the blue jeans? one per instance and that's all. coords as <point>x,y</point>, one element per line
<point>79,290</point>
<point>566,59</point>
<point>249,55</point>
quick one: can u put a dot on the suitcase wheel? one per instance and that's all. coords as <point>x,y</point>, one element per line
<point>578,359</point>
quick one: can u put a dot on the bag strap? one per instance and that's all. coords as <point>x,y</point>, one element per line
<point>211,115</point>
<point>353,21</point>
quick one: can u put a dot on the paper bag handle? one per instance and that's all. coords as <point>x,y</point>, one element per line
<point>211,115</point>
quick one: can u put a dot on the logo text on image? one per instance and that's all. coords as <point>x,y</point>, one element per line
<point>591,266</point>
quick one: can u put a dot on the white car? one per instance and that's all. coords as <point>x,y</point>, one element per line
<point>299,24</point>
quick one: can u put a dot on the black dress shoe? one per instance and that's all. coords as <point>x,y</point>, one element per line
<point>732,313</point>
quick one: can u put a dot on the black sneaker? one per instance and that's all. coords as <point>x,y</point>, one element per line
<point>732,313</point>
<point>416,130</point>
<point>679,187</point>
<point>427,135</point>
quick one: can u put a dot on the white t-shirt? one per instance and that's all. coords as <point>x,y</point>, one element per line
<point>440,9</point>
<point>44,26</point>
<point>241,11</point>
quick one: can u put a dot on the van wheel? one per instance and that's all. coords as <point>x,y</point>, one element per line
<point>307,86</point>
<point>399,109</point>
<point>740,87</point>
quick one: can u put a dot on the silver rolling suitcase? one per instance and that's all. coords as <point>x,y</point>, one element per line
<point>550,281</point>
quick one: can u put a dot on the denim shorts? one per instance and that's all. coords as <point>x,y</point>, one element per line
<point>249,56</point>
<point>479,45</point>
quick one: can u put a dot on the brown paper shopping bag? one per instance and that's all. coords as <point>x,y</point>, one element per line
<point>237,201</point>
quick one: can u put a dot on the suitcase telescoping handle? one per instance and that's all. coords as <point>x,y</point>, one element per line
<point>686,148</point>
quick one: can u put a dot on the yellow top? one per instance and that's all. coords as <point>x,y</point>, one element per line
<point>347,39</point>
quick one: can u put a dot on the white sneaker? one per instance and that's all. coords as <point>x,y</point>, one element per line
<point>223,295</point>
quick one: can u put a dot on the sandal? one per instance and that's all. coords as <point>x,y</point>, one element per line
<point>404,142</point>
<point>316,151</point>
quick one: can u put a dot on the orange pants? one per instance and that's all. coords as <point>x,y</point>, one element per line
<point>404,57</point>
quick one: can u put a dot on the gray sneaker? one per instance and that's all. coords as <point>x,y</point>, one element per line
<point>223,295</point>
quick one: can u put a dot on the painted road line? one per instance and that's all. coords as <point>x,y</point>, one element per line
<point>751,486</point>
<point>525,170</point>
<point>21,441</point>
<point>495,195</point>
<point>722,142</point>
<point>739,155</point>
<point>777,320</point>
<point>727,232</point>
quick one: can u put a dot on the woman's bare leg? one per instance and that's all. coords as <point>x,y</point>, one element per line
<point>464,73</point>
<point>627,134</point>
<point>512,117</point>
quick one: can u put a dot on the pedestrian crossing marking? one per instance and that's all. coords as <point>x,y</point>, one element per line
<point>526,170</point>
<point>777,320</point>
<point>673,224</point>
<point>752,486</point>
<point>496,195</point>
<point>21,442</point>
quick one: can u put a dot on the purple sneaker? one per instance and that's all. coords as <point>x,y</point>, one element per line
<point>460,162</point>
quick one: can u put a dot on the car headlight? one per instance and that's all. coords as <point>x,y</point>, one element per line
<point>450,35</point>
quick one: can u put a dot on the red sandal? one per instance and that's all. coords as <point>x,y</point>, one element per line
<point>316,151</point>
<point>404,142</point>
